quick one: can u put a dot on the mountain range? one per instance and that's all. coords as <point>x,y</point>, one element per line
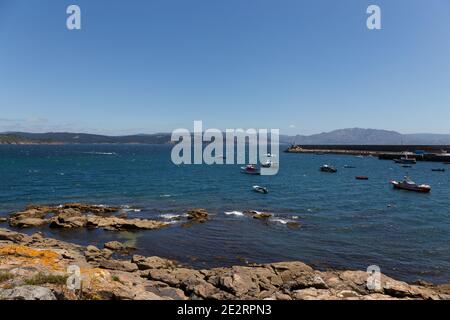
<point>350,136</point>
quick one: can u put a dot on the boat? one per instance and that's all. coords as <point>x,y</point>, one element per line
<point>362,178</point>
<point>409,185</point>
<point>349,167</point>
<point>327,168</point>
<point>260,189</point>
<point>438,170</point>
<point>406,160</point>
<point>406,166</point>
<point>267,164</point>
<point>250,169</point>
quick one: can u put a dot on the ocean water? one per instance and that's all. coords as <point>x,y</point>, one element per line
<point>345,223</point>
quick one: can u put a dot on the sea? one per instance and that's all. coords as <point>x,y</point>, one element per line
<point>329,221</point>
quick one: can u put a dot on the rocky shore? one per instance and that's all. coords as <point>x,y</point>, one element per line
<point>38,268</point>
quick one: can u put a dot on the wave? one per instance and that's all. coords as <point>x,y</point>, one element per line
<point>102,153</point>
<point>234,213</point>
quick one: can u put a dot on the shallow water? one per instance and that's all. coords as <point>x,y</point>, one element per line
<point>345,223</point>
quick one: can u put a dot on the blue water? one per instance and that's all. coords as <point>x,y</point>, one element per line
<point>345,223</point>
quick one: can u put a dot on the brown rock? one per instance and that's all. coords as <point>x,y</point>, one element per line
<point>262,215</point>
<point>119,265</point>
<point>197,214</point>
<point>146,263</point>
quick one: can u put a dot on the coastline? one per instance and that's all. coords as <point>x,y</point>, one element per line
<point>36,268</point>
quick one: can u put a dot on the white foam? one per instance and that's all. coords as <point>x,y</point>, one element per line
<point>170,216</point>
<point>279,220</point>
<point>165,196</point>
<point>234,213</point>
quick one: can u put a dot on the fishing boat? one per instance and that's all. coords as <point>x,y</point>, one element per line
<point>250,169</point>
<point>438,170</point>
<point>327,168</point>
<point>260,189</point>
<point>406,160</point>
<point>409,185</point>
<point>362,178</point>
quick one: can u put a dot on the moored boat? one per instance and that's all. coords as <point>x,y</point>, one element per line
<point>250,169</point>
<point>260,189</point>
<point>409,185</point>
<point>327,168</point>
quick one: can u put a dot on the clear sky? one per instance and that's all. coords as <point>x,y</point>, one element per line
<point>156,65</point>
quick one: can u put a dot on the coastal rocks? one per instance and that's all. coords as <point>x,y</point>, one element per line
<point>120,265</point>
<point>198,214</point>
<point>78,215</point>
<point>34,267</point>
<point>116,224</point>
<point>146,263</point>
<point>2,219</point>
<point>27,293</point>
<point>118,246</point>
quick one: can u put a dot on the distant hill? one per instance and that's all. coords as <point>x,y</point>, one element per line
<point>352,136</point>
<point>358,136</point>
<point>85,138</point>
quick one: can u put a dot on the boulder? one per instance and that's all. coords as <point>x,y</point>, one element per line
<point>119,265</point>
<point>27,293</point>
<point>146,263</point>
<point>115,246</point>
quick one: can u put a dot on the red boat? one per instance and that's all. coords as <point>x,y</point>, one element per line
<point>409,185</point>
<point>251,169</point>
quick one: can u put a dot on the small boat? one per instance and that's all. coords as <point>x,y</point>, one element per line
<point>406,160</point>
<point>267,164</point>
<point>349,167</point>
<point>438,170</point>
<point>409,185</point>
<point>327,168</point>
<point>362,178</point>
<point>260,189</point>
<point>406,166</point>
<point>250,169</point>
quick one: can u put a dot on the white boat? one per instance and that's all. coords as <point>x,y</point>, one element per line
<point>260,189</point>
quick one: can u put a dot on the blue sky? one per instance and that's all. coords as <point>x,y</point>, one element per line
<point>156,65</point>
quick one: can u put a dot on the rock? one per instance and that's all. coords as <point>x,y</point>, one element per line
<point>27,293</point>
<point>146,263</point>
<point>262,215</point>
<point>2,219</point>
<point>293,225</point>
<point>114,223</point>
<point>197,214</point>
<point>12,236</point>
<point>119,265</point>
<point>114,245</point>
<point>27,222</point>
